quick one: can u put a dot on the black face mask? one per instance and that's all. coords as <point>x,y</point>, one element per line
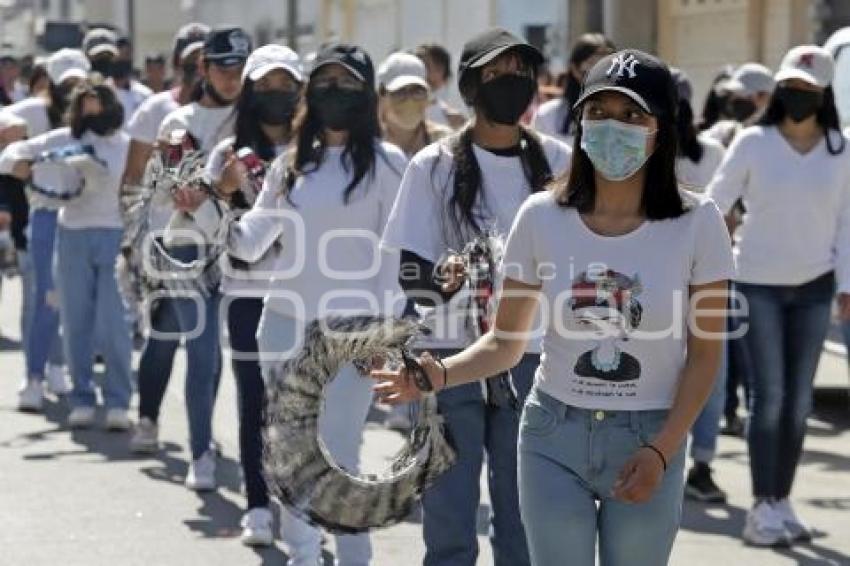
<point>121,69</point>
<point>210,91</point>
<point>275,107</point>
<point>739,109</point>
<point>505,98</point>
<point>102,66</point>
<point>799,104</point>
<point>99,124</point>
<point>337,108</point>
<point>190,72</point>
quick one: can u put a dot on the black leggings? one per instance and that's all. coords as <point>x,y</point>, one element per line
<point>243,317</point>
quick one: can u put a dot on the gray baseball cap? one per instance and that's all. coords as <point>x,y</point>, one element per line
<point>750,79</point>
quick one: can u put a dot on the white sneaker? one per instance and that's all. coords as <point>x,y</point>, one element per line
<point>201,476</point>
<point>257,526</point>
<point>798,530</point>
<point>117,420</point>
<point>30,396</point>
<point>765,527</point>
<point>81,417</point>
<point>146,438</point>
<point>57,380</point>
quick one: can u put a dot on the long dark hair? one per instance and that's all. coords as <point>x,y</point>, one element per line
<point>466,188</point>
<point>827,118</point>
<point>689,144</point>
<point>309,141</point>
<point>247,127</point>
<point>108,100</point>
<point>661,198</point>
<point>715,103</point>
<point>57,105</point>
<point>584,48</point>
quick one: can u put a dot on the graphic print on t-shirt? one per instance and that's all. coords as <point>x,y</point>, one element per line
<point>604,305</point>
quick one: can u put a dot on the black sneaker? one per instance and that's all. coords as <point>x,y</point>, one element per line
<point>701,487</point>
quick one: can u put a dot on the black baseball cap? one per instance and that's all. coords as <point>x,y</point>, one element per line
<point>227,46</point>
<point>352,57</point>
<point>640,76</point>
<point>491,43</point>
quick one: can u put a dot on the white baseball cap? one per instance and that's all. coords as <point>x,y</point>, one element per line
<point>750,79</point>
<point>808,63</point>
<point>100,40</point>
<point>400,70</point>
<point>270,57</point>
<point>67,63</point>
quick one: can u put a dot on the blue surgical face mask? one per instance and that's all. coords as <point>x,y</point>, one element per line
<point>617,150</point>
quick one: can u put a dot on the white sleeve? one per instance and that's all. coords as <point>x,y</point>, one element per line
<point>215,161</point>
<point>143,125</point>
<point>842,242</point>
<point>712,256</point>
<point>415,222</point>
<point>252,235</point>
<point>520,261</point>
<point>387,278</point>
<point>27,150</point>
<point>731,178</point>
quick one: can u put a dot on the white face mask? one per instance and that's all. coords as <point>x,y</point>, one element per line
<point>617,150</point>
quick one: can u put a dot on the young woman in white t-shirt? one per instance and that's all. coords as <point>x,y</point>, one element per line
<point>323,205</point>
<point>625,269</point>
<point>42,345</point>
<point>793,174</point>
<point>456,192</point>
<point>272,81</point>
<point>205,122</point>
<point>87,242</point>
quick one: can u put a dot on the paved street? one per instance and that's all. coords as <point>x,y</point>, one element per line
<point>82,499</point>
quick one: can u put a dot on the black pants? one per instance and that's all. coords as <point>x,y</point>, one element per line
<point>243,317</point>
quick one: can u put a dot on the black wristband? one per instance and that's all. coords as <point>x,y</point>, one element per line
<point>445,372</point>
<point>660,455</point>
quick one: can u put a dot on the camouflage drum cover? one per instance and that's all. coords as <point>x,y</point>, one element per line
<point>300,471</point>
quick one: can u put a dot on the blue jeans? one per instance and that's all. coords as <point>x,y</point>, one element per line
<point>157,358</point>
<point>450,505</point>
<point>90,302</point>
<point>707,426</point>
<point>787,328</point>
<point>569,460</point>
<point>43,342</point>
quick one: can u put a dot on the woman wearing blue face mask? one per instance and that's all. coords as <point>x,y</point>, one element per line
<point>622,264</point>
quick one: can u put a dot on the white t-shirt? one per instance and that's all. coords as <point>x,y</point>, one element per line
<point>33,113</point>
<point>329,259</point>
<point>696,176</point>
<point>255,277</point>
<point>419,221</point>
<point>797,221</point>
<point>144,124</point>
<point>132,98</point>
<point>98,204</point>
<point>207,125</point>
<point>615,309</point>
<point>549,119</point>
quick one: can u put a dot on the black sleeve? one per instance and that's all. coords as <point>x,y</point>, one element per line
<point>416,277</point>
<point>13,200</point>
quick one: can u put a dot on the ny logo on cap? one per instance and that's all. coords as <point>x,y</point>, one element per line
<point>807,60</point>
<point>623,65</point>
<point>239,43</point>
